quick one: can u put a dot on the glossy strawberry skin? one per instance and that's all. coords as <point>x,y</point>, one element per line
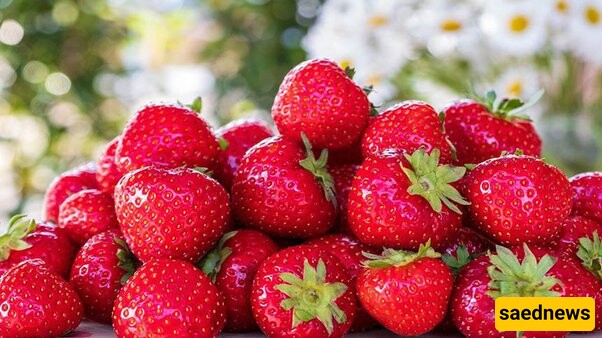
<point>478,135</point>
<point>173,213</point>
<point>587,189</point>
<point>65,185</point>
<point>470,239</point>
<point>166,136</point>
<point>87,213</point>
<point>48,243</point>
<point>168,297</point>
<point>573,228</point>
<point>408,300</point>
<point>343,175</point>
<point>405,128</point>
<point>36,302</point>
<point>274,321</point>
<point>96,275</point>
<point>235,277</point>
<point>382,213</point>
<point>274,194</point>
<point>349,250</point>
<point>107,174</point>
<point>317,98</point>
<point>240,136</point>
<point>516,199</point>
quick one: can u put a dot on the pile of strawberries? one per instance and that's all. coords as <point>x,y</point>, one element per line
<point>344,221</point>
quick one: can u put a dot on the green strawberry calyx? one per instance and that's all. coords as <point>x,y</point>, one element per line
<point>311,297</point>
<point>509,109</point>
<point>391,257</point>
<point>318,168</point>
<point>211,264</point>
<point>590,253</point>
<point>459,260</point>
<point>511,278</point>
<point>223,143</point>
<point>432,181</point>
<point>127,260</point>
<point>19,226</point>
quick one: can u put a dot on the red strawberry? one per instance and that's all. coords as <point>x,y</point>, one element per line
<point>232,266</point>
<point>396,205</point>
<point>36,302</point>
<point>587,198</point>
<point>174,213</point>
<point>283,190</point>
<point>350,251</point>
<point>480,131</point>
<point>235,139</point>
<point>407,292</point>
<point>168,298</point>
<point>87,213</point>
<point>516,199</point>
<point>349,155</point>
<point>68,183</point>
<point>303,292</point>
<point>343,175</point>
<point>473,242</point>
<point>572,229</point>
<point>101,266</point>
<point>404,128</point>
<point>24,240</point>
<point>168,136</point>
<point>107,174</point>
<point>319,99</point>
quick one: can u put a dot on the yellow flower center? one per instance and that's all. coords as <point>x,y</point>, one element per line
<point>451,25</point>
<point>374,80</point>
<point>515,88</point>
<point>562,6</point>
<point>378,21</point>
<point>346,63</point>
<point>518,23</point>
<point>592,15</point>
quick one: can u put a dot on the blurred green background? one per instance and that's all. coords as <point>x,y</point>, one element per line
<point>73,71</point>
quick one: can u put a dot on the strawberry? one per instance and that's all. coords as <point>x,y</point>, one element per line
<point>235,139</point>
<point>232,266</point>
<point>474,243</point>
<point>36,302</point>
<point>343,175</point>
<point>165,135</point>
<point>175,213</point>
<point>101,266</point>
<point>587,198</point>
<point>168,298</point>
<point>350,251</point>
<point>107,174</point>
<point>65,185</point>
<point>87,213</point>
<point>25,239</point>
<point>516,199</point>
<point>590,253</point>
<point>319,99</point>
<point>572,229</point>
<point>407,292</point>
<point>303,292</point>
<point>283,190</point>
<point>404,128</point>
<point>399,205</point>
<point>483,130</point>
<point>348,155</point>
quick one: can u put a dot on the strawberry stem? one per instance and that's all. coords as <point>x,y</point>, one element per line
<point>127,260</point>
<point>318,168</point>
<point>391,257</point>
<point>460,260</point>
<point>19,226</point>
<point>590,253</point>
<point>211,264</point>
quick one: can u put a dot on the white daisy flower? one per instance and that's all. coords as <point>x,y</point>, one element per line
<point>585,30</point>
<point>518,82</point>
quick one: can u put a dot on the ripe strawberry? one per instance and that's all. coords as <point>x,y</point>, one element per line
<point>36,302</point>
<point>107,174</point>
<point>480,131</point>
<point>174,213</point>
<point>65,185</point>
<point>283,190</point>
<point>516,199</point>
<point>407,292</point>
<point>169,136</point>
<point>350,251</point>
<point>343,175</point>
<point>590,253</point>
<point>587,198</point>
<point>303,292</point>
<point>25,240</point>
<point>572,229</point>
<point>404,128</point>
<point>235,139</point>
<point>319,99</point>
<point>400,206</point>
<point>232,266</point>
<point>101,266</point>
<point>87,213</point>
<point>168,298</point>
<point>348,155</point>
